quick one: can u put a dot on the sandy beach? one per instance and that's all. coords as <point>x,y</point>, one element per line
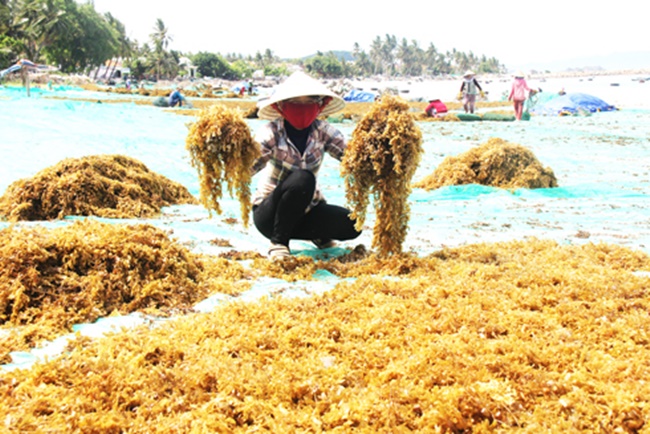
<point>512,310</point>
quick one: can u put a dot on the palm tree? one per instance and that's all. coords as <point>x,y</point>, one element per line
<point>5,17</point>
<point>387,49</point>
<point>160,35</point>
<point>376,55</point>
<point>40,21</point>
<point>269,57</point>
<point>161,39</point>
<point>433,60</point>
<point>363,64</point>
<point>411,58</point>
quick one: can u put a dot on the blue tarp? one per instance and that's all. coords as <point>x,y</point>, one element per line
<point>571,103</point>
<point>9,70</point>
<point>356,95</point>
<point>22,63</point>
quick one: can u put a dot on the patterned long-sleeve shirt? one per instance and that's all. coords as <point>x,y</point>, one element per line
<point>284,157</point>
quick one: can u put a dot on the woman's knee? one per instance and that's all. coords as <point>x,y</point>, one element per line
<point>300,184</point>
<point>346,226</point>
<point>352,232</point>
<point>301,178</point>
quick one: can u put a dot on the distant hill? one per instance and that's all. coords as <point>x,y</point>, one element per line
<point>345,55</point>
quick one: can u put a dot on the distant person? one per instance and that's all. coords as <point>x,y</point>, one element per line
<point>518,94</point>
<point>242,90</point>
<point>435,108</point>
<point>562,92</point>
<point>250,87</point>
<point>468,91</point>
<point>176,98</point>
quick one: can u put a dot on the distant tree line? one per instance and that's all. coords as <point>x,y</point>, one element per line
<point>389,58</point>
<point>76,38</point>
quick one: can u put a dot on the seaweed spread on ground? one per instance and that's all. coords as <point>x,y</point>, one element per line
<point>223,151</point>
<point>430,351</point>
<point>51,279</point>
<point>111,186</point>
<point>496,163</point>
<point>380,160</point>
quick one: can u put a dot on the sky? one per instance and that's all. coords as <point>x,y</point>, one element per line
<point>517,33</point>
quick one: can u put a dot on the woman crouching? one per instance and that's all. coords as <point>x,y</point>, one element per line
<point>289,205</point>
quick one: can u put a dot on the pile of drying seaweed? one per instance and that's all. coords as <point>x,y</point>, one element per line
<point>51,279</point>
<point>112,186</point>
<point>223,151</point>
<point>381,158</point>
<point>509,337</point>
<point>496,163</point>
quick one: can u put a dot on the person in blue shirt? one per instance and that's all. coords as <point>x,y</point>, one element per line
<point>175,98</point>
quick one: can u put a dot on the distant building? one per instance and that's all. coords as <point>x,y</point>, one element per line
<point>186,65</point>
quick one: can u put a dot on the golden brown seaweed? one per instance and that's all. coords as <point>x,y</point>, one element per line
<point>522,336</point>
<point>222,151</point>
<point>112,186</point>
<point>496,163</point>
<point>380,160</point>
<point>51,279</point>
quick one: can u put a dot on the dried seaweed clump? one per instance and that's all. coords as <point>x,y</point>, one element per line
<point>86,270</point>
<point>496,163</point>
<point>223,151</point>
<point>112,186</point>
<point>426,351</point>
<point>381,158</point>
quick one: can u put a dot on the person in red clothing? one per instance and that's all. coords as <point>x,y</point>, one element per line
<point>518,94</point>
<point>435,107</point>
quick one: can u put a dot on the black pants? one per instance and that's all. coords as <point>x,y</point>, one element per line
<point>281,216</point>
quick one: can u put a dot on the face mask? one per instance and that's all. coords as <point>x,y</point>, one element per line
<point>300,116</point>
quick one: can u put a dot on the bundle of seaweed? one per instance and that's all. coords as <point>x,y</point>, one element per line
<point>154,92</point>
<point>223,151</point>
<point>112,186</point>
<point>381,158</point>
<point>51,279</point>
<point>496,163</point>
<point>429,352</point>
